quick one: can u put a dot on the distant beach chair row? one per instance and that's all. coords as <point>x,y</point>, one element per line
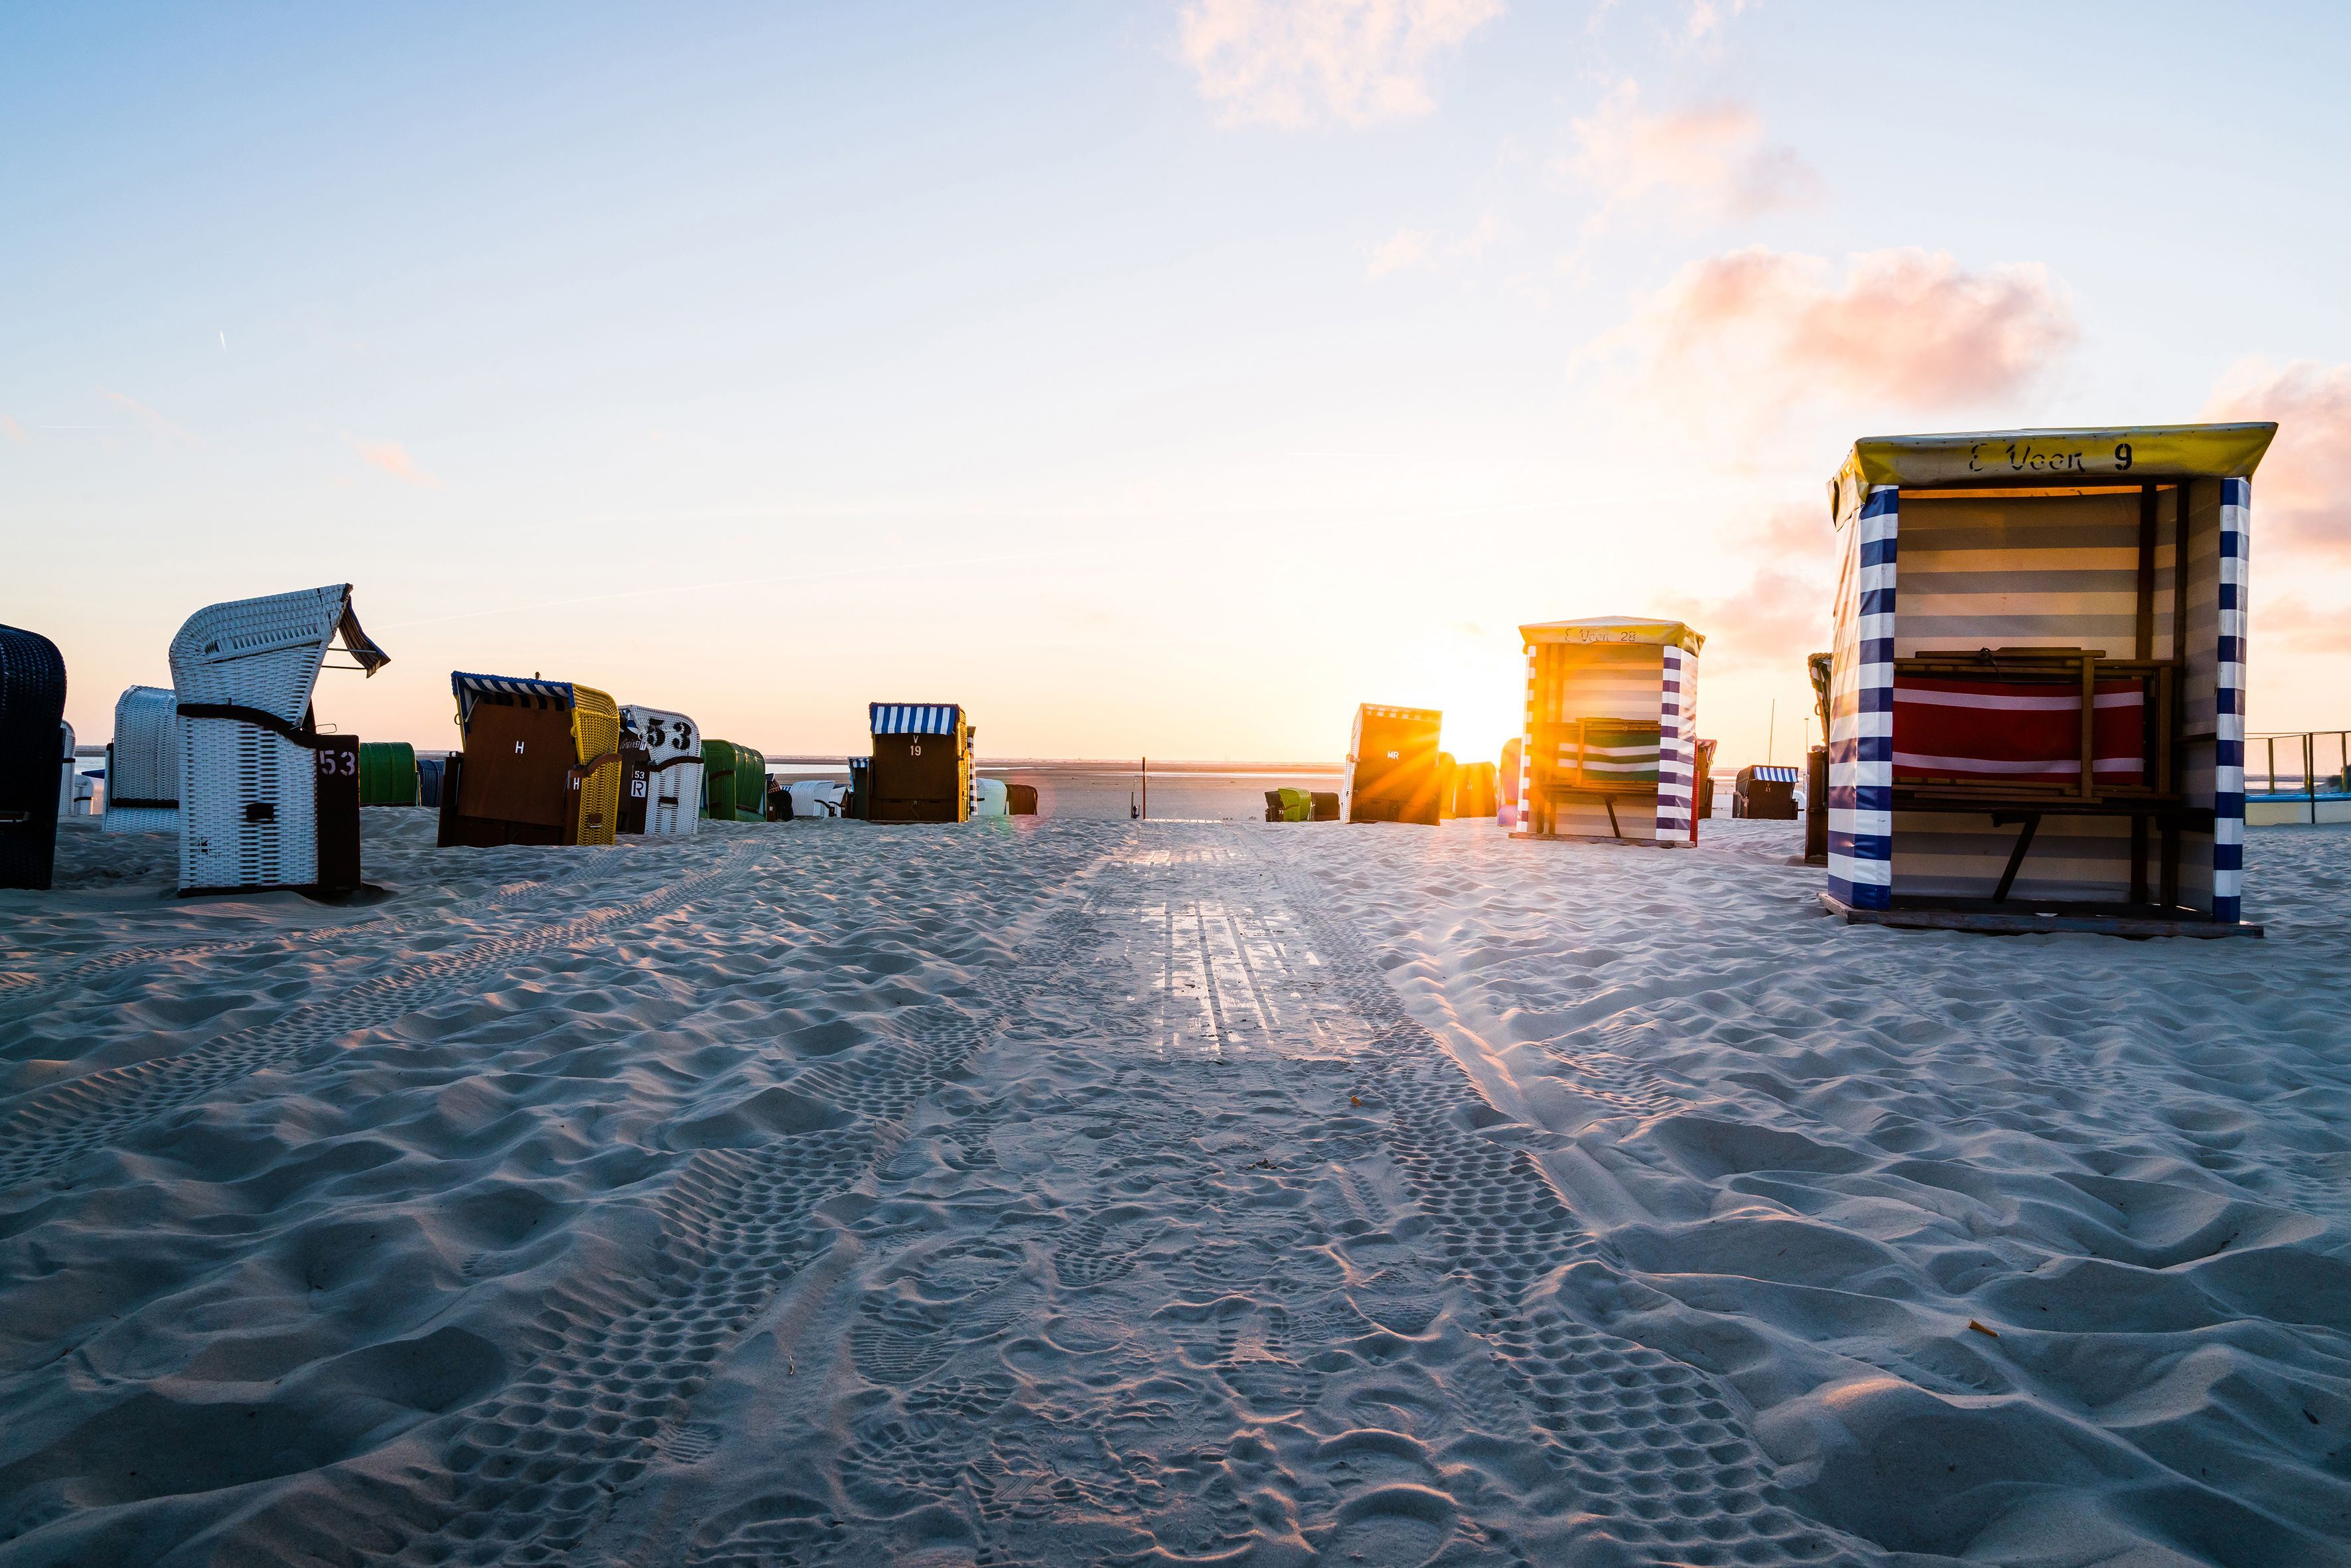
<point>233,760</point>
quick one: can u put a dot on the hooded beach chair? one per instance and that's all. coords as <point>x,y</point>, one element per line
<point>1505,784</point>
<point>265,800</point>
<point>1392,766</point>
<point>1473,790</point>
<point>735,782</point>
<point>428,781</point>
<point>921,763</point>
<point>75,789</point>
<point>541,764</point>
<point>671,745</point>
<point>32,730</point>
<point>2036,691</point>
<point>1765,791</point>
<point>990,798</point>
<point>387,773</point>
<point>1702,779</point>
<point>1288,806</point>
<point>1609,749</point>
<point>143,763</point>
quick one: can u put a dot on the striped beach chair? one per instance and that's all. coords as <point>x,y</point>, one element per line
<point>266,798</point>
<point>2036,691</point>
<point>921,770</point>
<point>671,806</point>
<point>143,763</point>
<point>1609,748</point>
<point>32,732</point>
<point>1393,773</point>
<point>541,764</point>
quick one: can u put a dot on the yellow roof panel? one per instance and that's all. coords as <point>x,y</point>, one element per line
<point>1615,628</point>
<point>2125,452</point>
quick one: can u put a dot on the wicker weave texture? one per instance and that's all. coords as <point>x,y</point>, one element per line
<point>675,744</point>
<point>596,735</point>
<point>248,797</point>
<point>143,763</point>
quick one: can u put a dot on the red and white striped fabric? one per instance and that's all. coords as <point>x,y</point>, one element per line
<point>2003,731</point>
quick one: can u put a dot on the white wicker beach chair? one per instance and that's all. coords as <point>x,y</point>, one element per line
<point>74,791</point>
<point>249,750</point>
<point>674,789</point>
<point>143,763</point>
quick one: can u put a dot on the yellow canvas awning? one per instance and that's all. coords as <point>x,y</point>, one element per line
<point>1615,628</point>
<point>2128,451</point>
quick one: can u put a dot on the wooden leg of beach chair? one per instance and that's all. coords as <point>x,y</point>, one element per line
<point>2031,821</point>
<point>1609,801</point>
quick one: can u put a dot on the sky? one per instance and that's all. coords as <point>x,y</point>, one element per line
<point>1150,376</point>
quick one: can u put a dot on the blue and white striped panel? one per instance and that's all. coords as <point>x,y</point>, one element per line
<point>2229,707</point>
<point>1860,710</point>
<point>1527,750</point>
<point>469,687</point>
<point>914,718</point>
<point>1676,743</point>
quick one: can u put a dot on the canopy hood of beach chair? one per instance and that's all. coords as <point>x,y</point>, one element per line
<point>2130,452</point>
<point>1634,629</point>
<point>536,692</point>
<point>914,718</point>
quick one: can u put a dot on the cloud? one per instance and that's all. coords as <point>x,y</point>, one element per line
<point>2301,492</point>
<point>1296,63</point>
<point>1404,249</point>
<point>1407,249</point>
<point>2295,619</point>
<point>1707,17</point>
<point>1706,164</point>
<point>1747,338</point>
<point>389,457</point>
<point>11,429</point>
<point>1782,612</point>
<point>161,428</point>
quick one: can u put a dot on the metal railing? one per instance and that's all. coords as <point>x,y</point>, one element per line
<point>2303,765</point>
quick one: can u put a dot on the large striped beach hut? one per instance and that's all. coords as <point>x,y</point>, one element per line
<point>921,763</point>
<point>2036,695</point>
<point>1610,744</point>
<point>541,764</point>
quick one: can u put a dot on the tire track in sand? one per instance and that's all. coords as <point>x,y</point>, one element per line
<point>1656,1448</point>
<point>612,1365</point>
<point>52,1126</point>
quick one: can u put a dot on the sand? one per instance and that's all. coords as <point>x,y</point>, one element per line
<point>1076,1191</point>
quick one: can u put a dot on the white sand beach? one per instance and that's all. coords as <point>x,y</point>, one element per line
<point>1076,1192</point>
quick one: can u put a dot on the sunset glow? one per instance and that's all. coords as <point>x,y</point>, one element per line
<point>1147,378</point>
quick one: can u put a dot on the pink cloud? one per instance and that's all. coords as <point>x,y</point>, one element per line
<point>389,457</point>
<point>1737,346</point>
<point>1295,63</point>
<point>1908,327</point>
<point>11,429</point>
<point>1709,163</point>
<point>1782,612</point>
<point>2301,492</point>
<point>160,427</point>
